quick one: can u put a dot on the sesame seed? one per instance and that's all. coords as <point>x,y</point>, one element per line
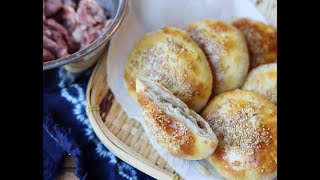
<point>213,49</point>
<point>155,63</point>
<point>236,163</point>
<point>159,129</point>
<point>242,131</point>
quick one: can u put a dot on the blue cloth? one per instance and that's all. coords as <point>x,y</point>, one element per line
<point>66,130</point>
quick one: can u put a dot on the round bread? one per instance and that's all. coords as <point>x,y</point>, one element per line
<point>226,51</point>
<point>180,130</point>
<point>170,57</point>
<point>261,40</point>
<point>263,80</point>
<point>246,126</point>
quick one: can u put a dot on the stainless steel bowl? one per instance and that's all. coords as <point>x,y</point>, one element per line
<point>117,8</point>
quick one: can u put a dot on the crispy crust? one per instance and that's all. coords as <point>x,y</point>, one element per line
<point>170,57</point>
<point>246,126</point>
<point>263,80</point>
<point>226,51</point>
<point>170,130</point>
<point>261,40</point>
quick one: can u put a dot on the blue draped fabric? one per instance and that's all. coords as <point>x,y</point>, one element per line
<point>66,130</point>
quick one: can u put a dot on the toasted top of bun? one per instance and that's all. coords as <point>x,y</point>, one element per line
<point>170,57</point>
<point>261,40</point>
<point>263,80</point>
<point>246,126</point>
<point>226,51</point>
<point>180,130</point>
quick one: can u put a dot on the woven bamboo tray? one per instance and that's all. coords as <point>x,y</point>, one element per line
<point>124,136</point>
<point>121,135</point>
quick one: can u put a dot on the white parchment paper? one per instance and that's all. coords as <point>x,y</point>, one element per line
<point>148,15</point>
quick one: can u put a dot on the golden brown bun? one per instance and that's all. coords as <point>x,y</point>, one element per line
<point>246,126</point>
<point>170,57</point>
<point>226,51</point>
<point>181,131</point>
<point>261,40</point>
<point>263,80</point>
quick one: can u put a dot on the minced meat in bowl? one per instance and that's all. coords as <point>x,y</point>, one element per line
<point>73,30</point>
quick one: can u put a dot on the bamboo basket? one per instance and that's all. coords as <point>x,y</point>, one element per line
<point>125,137</point>
<point>121,135</point>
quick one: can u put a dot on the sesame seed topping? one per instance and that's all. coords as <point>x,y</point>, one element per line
<point>165,130</point>
<point>261,40</point>
<point>213,49</point>
<point>239,131</point>
<point>272,94</point>
<point>236,163</point>
<point>160,63</point>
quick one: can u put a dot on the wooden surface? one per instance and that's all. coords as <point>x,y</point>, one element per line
<point>68,169</point>
<point>267,7</point>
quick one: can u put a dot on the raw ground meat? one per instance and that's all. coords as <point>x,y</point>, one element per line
<point>47,55</point>
<point>52,7</point>
<point>87,34</point>
<point>57,40</point>
<point>58,50</point>
<point>68,18</point>
<point>56,27</point>
<point>67,29</point>
<point>90,13</point>
<point>91,20</point>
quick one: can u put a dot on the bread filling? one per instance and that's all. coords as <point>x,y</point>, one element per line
<point>177,110</point>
